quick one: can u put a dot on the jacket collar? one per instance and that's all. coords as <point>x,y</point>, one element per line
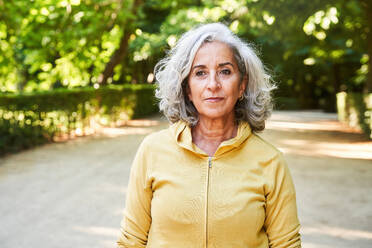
<point>182,134</point>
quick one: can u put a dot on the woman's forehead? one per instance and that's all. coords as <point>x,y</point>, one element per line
<point>214,52</point>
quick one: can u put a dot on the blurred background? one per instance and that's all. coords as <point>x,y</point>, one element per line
<point>63,62</point>
<point>315,49</point>
<point>71,68</point>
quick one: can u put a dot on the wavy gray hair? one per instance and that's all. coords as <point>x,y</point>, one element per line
<point>171,74</point>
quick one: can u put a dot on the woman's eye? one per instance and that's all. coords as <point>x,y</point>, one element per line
<point>200,73</point>
<point>226,72</point>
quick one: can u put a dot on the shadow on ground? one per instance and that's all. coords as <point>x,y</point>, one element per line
<point>332,169</point>
<point>72,194</point>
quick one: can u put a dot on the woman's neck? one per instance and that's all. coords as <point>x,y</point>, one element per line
<point>208,134</point>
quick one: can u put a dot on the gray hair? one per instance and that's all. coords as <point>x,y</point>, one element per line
<point>171,74</point>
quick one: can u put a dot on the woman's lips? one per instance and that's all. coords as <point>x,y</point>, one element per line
<point>214,99</point>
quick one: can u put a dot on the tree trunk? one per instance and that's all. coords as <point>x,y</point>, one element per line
<point>120,53</point>
<point>22,78</point>
<point>115,59</point>
<point>368,8</point>
<point>331,103</point>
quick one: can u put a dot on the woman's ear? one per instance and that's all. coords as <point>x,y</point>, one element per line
<point>186,90</point>
<point>243,85</point>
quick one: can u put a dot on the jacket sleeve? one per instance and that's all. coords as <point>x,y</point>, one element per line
<point>281,224</point>
<point>137,214</point>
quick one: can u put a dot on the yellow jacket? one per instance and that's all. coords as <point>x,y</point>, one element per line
<point>179,197</point>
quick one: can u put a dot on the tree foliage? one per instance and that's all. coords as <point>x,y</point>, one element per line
<point>314,48</point>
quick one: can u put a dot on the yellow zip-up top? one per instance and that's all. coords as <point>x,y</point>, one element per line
<point>178,197</point>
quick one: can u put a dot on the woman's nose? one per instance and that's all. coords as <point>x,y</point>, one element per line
<point>213,81</point>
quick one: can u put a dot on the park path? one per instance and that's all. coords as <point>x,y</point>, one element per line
<point>71,194</point>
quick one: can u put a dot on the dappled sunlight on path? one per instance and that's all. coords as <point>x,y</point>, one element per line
<point>331,166</point>
<point>131,127</point>
<point>321,136</point>
<point>337,232</point>
<point>316,125</point>
<point>73,192</point>
<point>340,150</point>
<point>99,230</point>
<point>114,132</point>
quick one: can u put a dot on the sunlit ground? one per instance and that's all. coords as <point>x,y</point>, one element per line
<point>131,127</point>
<point>331,165</point>
<point>73,192</point>
<point>338,232</point>
<point>324,136</point>
<point>128,127</point>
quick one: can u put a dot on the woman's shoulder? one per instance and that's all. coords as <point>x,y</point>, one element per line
<point>259,140</point>
<point>265,155</point>
<point>261,148</point>
<point>158,138</point>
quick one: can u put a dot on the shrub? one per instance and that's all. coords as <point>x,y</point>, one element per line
<point>34,118</point>
<point>286,103</point>
<point>355,109</point>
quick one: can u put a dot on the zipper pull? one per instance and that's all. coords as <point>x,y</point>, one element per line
<point>210,162</point>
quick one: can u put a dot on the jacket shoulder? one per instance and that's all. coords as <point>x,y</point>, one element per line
<point>261,148</point>
<point>263,142</point>
<point>158,138</point>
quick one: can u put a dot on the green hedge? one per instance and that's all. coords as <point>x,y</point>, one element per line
<point>34,118</point>
<point>286,103</point>
<point>355,109</point>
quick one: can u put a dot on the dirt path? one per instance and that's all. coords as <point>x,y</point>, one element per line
<point>72,194</point>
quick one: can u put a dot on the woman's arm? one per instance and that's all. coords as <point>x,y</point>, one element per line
<point>281,223</point>
<point>137,214</point>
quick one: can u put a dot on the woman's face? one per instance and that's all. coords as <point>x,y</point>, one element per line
<point>214,81</point>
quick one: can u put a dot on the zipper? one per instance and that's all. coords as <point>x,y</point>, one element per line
<point>206,202</point>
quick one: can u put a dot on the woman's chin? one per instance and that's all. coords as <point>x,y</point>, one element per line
<point>215,115</point>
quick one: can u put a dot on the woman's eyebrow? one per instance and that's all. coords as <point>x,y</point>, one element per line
<point>226,63</point>
<point>198,66</point>
<point>219,65</point>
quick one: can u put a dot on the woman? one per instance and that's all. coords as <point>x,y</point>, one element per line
<point>209,180</point>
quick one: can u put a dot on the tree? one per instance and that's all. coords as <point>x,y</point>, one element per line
<point>313,48</point>
<point>119,54</point>
<point>367,6</point>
